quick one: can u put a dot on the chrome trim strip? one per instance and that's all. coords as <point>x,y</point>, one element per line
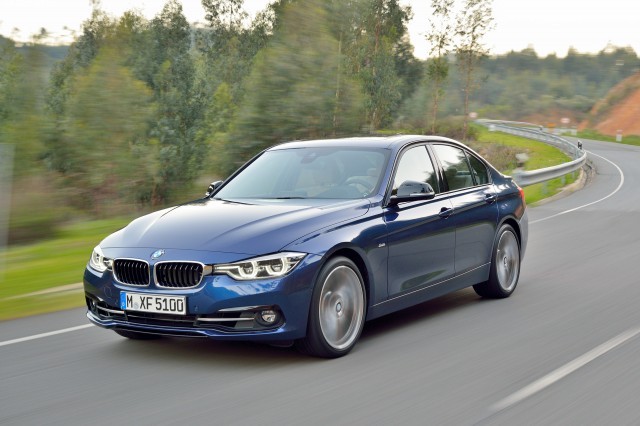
<point>224,319</point>
<point>113,311</point>
<point>241,308</point>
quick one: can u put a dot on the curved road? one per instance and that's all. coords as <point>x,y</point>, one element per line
<point>562,350</point>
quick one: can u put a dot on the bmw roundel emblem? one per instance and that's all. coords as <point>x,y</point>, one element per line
<point>156,254</point>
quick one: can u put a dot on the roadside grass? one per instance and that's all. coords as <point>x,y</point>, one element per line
<point>41,304</point>
<point>61,260</point>
<point>540,155</point>
<point>593,135</point>
<point>50,263</point>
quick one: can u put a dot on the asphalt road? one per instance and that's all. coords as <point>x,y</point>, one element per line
<point>562,350</point>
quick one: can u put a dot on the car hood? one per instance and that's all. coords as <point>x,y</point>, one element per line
<point>253,228</point>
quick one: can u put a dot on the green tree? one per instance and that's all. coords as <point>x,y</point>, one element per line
<point>24,119</point>
<point>180,102</point>
<point>376,29</point>
<point>440,37</point>
<point>103,132</point>
<point>294,87</point>
<point>157,52</point>
<point>10,66</point>
<point>473,23</point>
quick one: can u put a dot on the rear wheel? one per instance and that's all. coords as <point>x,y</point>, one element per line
<point>134,335</point>
<point>505,266</point>
<point>337,313</point>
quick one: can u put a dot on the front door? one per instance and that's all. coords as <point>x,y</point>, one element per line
<point>421,237</point>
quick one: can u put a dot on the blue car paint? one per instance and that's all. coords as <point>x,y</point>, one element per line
<point>366,230</point>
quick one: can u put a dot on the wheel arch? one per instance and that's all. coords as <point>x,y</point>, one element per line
<point>516,227</point>
<point>354,255</point>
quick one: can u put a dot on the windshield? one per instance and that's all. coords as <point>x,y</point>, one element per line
<point>335,172</point>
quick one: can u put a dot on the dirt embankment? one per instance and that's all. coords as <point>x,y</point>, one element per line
<point>618,111</point>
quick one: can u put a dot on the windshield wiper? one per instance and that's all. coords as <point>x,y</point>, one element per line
<point>288,198</point>
<point>230,201</point>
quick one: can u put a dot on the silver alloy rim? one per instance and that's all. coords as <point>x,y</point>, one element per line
<point>508,261</point>
<point>341,307</point>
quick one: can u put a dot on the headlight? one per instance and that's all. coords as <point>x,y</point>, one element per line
<point>271,266</point>
<point>98,261</point>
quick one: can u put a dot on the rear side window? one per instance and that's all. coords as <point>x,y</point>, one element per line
<point>479,170</point>
<point>455,166</point>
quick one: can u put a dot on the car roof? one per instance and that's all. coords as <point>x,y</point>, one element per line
<point>388,142</point>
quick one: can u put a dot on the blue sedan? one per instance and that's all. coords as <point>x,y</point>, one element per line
<point>308,240</point>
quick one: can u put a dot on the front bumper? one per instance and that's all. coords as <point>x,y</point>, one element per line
<point>219,307</point>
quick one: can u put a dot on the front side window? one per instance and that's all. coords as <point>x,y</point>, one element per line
<point>455,166</point>
<point>415,165</point>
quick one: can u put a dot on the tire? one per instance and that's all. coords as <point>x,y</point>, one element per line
<point>505,266</point>
<point>134,335</point>
<point>337,312</point>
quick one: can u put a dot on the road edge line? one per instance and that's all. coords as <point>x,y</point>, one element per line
<point>42,335</point>
<point>560,373</point>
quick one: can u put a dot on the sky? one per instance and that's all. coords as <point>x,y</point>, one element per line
<point>549,26</point>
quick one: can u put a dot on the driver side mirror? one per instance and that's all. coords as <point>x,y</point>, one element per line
<point>411,190</point>
<point>212,188</point>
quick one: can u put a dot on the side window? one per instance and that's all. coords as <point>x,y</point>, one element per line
<point>479,170</point>
<point>416,165</point>
<point>455,166</point>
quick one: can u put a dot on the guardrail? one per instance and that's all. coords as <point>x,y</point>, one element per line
<point>536,132</point>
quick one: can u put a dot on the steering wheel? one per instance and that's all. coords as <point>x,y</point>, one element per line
<point>355,180</point>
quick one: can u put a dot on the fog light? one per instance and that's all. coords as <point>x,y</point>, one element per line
<point>268,317</point>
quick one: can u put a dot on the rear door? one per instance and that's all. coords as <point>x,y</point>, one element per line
<point>475,211</point>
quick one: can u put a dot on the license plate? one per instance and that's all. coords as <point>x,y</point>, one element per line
<point>161,304</point>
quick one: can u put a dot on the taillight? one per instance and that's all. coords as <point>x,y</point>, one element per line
<point>524,203</point>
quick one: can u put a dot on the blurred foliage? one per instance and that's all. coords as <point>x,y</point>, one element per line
<point>523,86</point>
<point>138,112</point>
<point>300,90</point>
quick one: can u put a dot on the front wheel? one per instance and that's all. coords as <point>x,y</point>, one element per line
<point>337,312</point>
<point>505,266</point>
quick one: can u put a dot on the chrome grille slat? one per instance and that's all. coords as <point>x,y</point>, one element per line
<point>131,271</point>
<point>178,274</point>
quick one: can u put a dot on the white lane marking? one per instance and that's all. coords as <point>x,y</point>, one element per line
<point>41,335</point>
<point>593,202</point>
<point>564,371</point>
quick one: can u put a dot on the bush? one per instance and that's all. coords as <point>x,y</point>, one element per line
<point>454,128</point>
<point>502,157</point>
<point>36,211</point>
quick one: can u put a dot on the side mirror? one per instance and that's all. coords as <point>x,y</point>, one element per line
<point>212,188</point>
<point>411,190</point>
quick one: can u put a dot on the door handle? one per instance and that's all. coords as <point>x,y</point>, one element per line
<point>490,198</point>
<point>445,212</point>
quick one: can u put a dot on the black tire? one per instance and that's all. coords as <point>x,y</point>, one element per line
<point>505,266</point>
<point>134,335</point>
<point>337,312</point>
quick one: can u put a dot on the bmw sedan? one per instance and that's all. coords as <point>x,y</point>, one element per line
<point>308,240</point>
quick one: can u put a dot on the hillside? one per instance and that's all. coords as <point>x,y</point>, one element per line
<point>619,110</point>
